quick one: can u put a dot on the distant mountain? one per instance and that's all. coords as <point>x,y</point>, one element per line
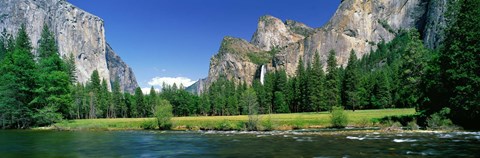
<point>357,25</point>
<point>77,32</point>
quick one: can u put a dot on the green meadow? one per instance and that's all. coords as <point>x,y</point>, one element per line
<point>358,118</point>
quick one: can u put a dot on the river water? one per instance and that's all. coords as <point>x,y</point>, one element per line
<point>30,143</point>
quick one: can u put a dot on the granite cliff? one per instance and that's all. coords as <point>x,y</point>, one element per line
<point>356,24</point>
<point>77,32</point>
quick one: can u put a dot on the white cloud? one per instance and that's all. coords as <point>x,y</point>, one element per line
<point>158,81</point>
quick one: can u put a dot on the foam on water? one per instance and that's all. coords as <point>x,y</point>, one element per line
<point>355,138</point>
<point>404,140</point>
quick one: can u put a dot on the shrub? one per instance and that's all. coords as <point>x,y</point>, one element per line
<point>402,119</point>
<point>364,122</point>
<point>298,122</point>
<point>413,125</point>
<point>440,121</point>
<point>224,125</point>
<point>339,118</point>
<point>267,124</point>
<point>163,115</point>
<point>148,124</point>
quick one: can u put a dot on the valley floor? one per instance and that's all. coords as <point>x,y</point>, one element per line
<point>359,118</point>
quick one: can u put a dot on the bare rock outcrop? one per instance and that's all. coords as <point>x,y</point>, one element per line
<point>356,25</point>
<point>272,32</point>
<point>77,32</point>
<point>120,70</point>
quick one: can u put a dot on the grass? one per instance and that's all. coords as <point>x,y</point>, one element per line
<point>359,118</point>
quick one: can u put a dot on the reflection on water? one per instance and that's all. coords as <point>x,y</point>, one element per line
<point>236,144</point>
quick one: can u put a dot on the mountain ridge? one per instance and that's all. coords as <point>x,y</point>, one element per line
<point>356,25</point>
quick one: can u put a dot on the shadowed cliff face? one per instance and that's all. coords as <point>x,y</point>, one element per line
<point>357,25</point>
<point>121,71</point>
<point>77,32</point>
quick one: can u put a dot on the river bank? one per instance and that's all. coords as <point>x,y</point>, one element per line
<point>281,122</point>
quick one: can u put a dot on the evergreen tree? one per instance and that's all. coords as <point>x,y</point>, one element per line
<point>152,101</point>
<point>269,88</point>
<point>53,90</point>
<point>71,68</point>
<point>79,100</point>
<point>104,100</point>
<point>17,82</point>
<point>261,95</point>
<point>381,91</point>
<point>290,93</point>
<point>3,44</point>
<point>94,89</point>
<point>460,66</point>
<point>332,94</point>
<point>139,103</point>
<point>300,86</point>
<point>414,60</point>
<point>351,81</point>
<point>204,104</point>
<point>316,85</point>
<point>131,109</point>
<point>280,102</point>
<point>119,108</point>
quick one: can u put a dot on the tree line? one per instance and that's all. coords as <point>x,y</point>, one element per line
<point>41,89</point>
<point>34,89</point>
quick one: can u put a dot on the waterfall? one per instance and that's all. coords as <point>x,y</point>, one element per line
<point>263,70</point>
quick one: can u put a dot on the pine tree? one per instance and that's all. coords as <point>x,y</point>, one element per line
<point>269,87</point>
<point>316,85</point>
<point>152,101</point>
<point>305,89</point>
<point>104,100</point>
<point>131,109</point>
<point>381,91</point>
<point>351,81</point>
<point>94,89</point>
<point>261,95</point>
<point>332,94</point>
<point>280,103</point>
<point>290,93</point>
<point>279,100</point>
<point>79,100</point>
<point>414,60</point>
<point>53,89</point>
<point>71,68</point>
<point>3,44</point>
<point>17,82</point>
<point>119,108</point>
<point>299,86</point>
<point>139,103</point>
<point>460,66</point>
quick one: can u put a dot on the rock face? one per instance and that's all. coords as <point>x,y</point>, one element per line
<point>197,87</point>
<point>356,25</point>
<point>232,61</point>
<point>121,71</point>
<point>77,32</point>
<point>273,32</point>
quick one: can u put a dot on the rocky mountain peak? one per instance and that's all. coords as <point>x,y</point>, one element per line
<point>272,32</point>
<point>299,28</point>
<point>356,25</point>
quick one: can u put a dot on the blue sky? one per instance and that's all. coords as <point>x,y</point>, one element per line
<point>164,40</point>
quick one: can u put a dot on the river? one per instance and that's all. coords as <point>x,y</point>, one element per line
<point>31,143</point>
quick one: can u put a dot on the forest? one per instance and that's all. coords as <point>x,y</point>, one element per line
<point>41,89</point>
